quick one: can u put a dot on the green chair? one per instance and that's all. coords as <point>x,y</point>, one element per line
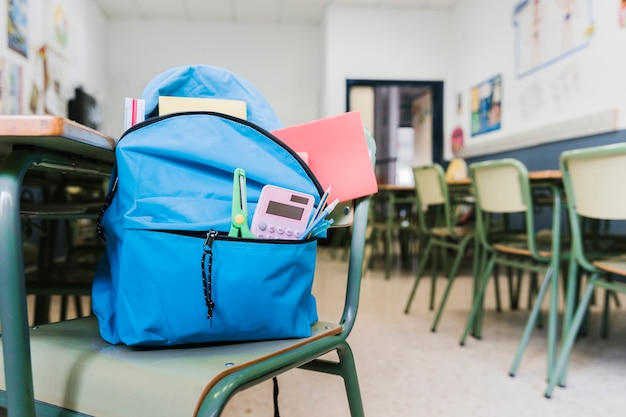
<point>74,369</point>
<point>592,178</point>
<point>502,188</point>
<point>391,221</point>
<point>431,191</point>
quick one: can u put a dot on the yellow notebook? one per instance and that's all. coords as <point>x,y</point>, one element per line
<point>169,104</point>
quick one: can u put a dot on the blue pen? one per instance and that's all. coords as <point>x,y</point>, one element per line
<point>319,218</point>
<point>321,227</point>
<point>321,205</point>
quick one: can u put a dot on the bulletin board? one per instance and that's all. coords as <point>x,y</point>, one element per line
<point>486,102</point>
<point>548,30</point>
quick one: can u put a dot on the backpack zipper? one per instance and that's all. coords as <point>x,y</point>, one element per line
<point>147,122</point>
<point>247,123</point>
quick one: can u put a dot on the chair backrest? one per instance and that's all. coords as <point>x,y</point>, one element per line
<point>592,179</point>
<point>355,265</point>
<point>431,189</point>
<point>502,187</point>
<point>357,249</point>
<point>430,184</point>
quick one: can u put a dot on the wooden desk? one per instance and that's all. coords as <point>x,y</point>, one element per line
<point>33,142</point>
<point>394,187</point>
<point>56,134</point>
<point>548,174</point>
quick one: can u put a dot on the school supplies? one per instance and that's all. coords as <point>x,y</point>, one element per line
<point>281,213</point>
<point>239,212</point>
<point>338,153</point>
<point>134,111</point>
<point>168,104</point>
<point>317,225</point>
<point>321,205</point>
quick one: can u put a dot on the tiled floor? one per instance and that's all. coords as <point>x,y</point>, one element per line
<point>405,370</point>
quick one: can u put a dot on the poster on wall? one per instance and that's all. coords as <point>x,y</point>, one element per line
<point>17,26</point>
<point>55,94</point>
<point>548,30</point>
<point>57,36</point>
<point>11,87</point>
<point>486,106</point>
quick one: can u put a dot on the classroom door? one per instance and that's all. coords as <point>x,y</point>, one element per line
<point>406,119</point>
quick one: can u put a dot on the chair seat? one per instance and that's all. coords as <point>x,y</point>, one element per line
<point>74,368</point>
<point>458,231</point>
<point>516,244</point>
<point>616,265</point>
<point>521,248</point>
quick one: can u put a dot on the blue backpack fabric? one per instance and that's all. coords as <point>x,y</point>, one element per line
<point>170,274</point>
<point>205,81</point>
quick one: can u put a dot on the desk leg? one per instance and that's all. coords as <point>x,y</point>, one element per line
<point>13,307</point>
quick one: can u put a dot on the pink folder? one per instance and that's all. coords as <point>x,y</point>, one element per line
<point>337,154</point>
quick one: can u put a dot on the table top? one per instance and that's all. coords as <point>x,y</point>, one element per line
<point>55,133</point>
<point>534,176</point>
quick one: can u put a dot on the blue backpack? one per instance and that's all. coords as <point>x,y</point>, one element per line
<point>170,274</point>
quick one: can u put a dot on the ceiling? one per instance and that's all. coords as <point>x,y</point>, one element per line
<point>249,11</point>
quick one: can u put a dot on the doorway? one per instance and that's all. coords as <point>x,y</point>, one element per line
<point>405,118</point>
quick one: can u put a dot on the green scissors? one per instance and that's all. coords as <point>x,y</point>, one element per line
<point>239,215</point>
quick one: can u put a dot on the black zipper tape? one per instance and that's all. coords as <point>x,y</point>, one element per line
<point>152,120</point>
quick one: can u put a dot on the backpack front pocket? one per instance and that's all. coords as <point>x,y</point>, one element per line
<point>190,290</point>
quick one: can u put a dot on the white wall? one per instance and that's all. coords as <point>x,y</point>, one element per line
<point>79,62</point>
<point>550,101</point>
<point>302,69</point>
<point>282,61</point>
<point>387,44</point>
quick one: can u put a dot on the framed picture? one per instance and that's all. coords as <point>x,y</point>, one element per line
<point>486,106</point>
<point>546,31</point>
<point>17,12</point>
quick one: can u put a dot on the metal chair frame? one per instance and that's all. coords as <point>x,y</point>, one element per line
<point>431,190</point>
<point>589,177</point>
<point>503,187</point>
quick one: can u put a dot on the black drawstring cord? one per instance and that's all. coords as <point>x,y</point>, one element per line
<point>276,412</point>
<point>207,278</point>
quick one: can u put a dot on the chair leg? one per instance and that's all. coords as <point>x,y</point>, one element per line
<point>553,316</point>
<point>514,287</point>
<point>572,331</point>
<point>618,304</point>
<point>344,368</point>
<point>453,272</point>
<point>571,297</point>
<point>433,280</point>
<point>478,299</point>
<point>532,296</point>
<point>530,324</point>
<point>496,284</point>
<point>532,290</point>
<point>420,271</point>
<point>605,314</point>
<point>78,305</point>
<point>388,253</point>
<point>350,379</point>
<point>478,321</point>
<point>64,307</point>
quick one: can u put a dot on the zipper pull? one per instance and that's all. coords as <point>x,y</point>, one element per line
<point>208,242</point>
<point>207,273</point>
